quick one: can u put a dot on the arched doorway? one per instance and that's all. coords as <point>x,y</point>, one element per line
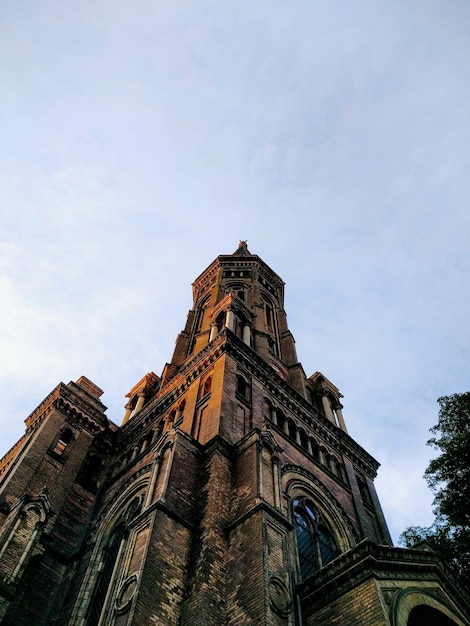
<point>427,616</point>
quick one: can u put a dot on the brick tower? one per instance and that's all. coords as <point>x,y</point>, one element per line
<point>230,495</point>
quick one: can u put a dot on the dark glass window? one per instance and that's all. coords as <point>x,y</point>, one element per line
<point>315,542</point>
<point>104,580</point>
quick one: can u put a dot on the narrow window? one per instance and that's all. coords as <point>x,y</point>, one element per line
<point>105,577</point>
<point>243,388</point>
<point>63,441</point>
<point>364,490</point>
<point>197,423</point>
<point>205,388</point>
<point>269,315</point>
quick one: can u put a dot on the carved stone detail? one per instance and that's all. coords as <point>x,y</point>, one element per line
<point>279,596</point>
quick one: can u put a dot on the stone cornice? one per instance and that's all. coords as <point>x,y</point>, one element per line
<point>303,410</point>
<point>369,560</point>
<point>76,417</point>
<point>227,260</point>
<point>264,506</point>
<point>43,408</point>
<point>226,341</point>
<point>87,413</point>
<point>174,389</point>
<point>204,278</point>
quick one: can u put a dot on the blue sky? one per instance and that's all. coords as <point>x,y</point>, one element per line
<point>140,140</point>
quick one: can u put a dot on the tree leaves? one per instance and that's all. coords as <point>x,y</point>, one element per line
<point>448,475</point>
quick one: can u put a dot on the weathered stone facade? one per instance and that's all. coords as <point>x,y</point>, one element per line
<point>230,495</point>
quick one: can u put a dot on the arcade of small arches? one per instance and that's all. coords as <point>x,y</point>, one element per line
<point>296,433</point>
<point>234,316</point>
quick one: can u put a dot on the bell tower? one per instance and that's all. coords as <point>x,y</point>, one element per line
<point>230,495</point>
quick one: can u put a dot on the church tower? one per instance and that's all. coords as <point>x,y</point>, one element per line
<point>231,494</point>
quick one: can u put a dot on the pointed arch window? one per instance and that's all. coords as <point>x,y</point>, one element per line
<point>200,313</point>
<point>105,577</point>
<point>316,545</point>
<point>111,558</point>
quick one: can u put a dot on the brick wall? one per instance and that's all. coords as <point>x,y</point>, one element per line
<point>361,606</point>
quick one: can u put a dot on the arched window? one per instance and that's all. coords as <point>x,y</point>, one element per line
<point>281,420</point>
<point>21,539</point>
<point>303,439</point>
<point>243,388</point>
<point>205,387</point>
<point>110,563</point>
<point>268,312</point>
<point>315,449</point>
<point>88,475</point>
<point>292,428</point>
<point>64,439</point>
<point>105,577</point>
<point>315,543</point>
<point>220,321</point>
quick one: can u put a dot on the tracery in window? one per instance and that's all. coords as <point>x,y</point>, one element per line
<point>111,559</point>
<point>315,542</point>
<point>105,577</point>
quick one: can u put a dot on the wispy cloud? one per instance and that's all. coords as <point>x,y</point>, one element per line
<point>140,142</point>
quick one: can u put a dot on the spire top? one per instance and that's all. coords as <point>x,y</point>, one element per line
<point>242,249</point>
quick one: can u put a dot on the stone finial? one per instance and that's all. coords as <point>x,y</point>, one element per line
<point>242,249</point>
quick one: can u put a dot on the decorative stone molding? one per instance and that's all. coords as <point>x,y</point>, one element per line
<point>126,594</point>
<point>327,497</point>
<point>368,560</point>
<point>405,600</point>
<point>279,597</point>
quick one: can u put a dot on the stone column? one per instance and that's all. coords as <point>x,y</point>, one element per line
<point>247,335</point>
<point>339,415</point>
<point>213,334</point>
<point>229,320</point>
<point>277,498</point>
<point>327,408</point>
<point>273,416</point>
<point>127,414</point>
<point>140,402</point>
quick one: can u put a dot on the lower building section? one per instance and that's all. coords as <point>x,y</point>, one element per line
<point>374,585</point>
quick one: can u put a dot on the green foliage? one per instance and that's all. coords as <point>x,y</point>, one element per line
<point>448,475</point>
<point>453,545</point>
